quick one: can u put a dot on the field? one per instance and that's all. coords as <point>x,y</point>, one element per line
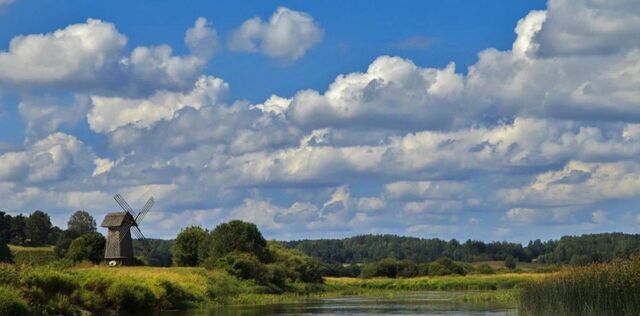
<point>32,255</point>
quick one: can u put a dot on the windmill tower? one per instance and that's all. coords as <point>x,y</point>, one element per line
<point>119,247</point>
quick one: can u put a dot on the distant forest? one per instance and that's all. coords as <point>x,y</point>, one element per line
<point>36,230</point>
<point>568,250</point>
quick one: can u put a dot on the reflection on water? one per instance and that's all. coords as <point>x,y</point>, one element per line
<point>423,303</point>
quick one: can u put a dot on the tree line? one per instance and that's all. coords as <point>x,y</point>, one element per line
<point>370,248</point>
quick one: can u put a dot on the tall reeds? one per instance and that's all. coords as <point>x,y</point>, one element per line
<point>599,289</point>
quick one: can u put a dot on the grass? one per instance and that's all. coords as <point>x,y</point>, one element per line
<point>32,255</point>
<point>441,283</point>
<point>599,289</point>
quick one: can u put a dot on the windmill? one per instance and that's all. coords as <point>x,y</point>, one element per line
<point>119,247</point>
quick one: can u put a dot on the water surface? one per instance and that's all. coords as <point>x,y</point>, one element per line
<point>422,303</point>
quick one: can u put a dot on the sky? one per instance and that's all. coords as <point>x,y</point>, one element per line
<point>487,120</point>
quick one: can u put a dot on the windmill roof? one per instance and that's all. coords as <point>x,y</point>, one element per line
<point>115,219</point>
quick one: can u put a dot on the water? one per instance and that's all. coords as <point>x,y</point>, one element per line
<point>422,303</point>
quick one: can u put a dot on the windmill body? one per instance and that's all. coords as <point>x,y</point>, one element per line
<point>119,247</point>
<point>120,225</point>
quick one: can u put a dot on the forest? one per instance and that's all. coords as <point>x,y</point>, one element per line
<point>36,229</point>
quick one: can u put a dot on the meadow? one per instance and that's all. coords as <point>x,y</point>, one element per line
<point>31,287</point>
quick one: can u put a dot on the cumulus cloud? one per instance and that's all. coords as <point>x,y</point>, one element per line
<point>109,113</point>
<point>51,159</point>
<point>92,56</point>
<point>288,35</point>
<point>527,136</point>
<point>45,115</point>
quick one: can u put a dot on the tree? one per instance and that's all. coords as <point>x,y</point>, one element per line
<point>510,263</point>
<point>81,222</point>
<point>18,236</point>
<point>236,236</point>
<point>188,247</point>
<point>5,253</point>
<point>37,228</point>
<point>89,246</point>
<point>5,227</point>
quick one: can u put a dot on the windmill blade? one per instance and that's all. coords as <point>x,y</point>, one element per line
<point>123,204</point>
<point>145,242</point>
<point>147,207</point>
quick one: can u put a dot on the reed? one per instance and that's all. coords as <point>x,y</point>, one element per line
<point>598,289</point>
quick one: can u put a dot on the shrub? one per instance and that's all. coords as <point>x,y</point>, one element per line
<point>383,268</point>
<point>221,285</point>
<point>130,296</point>
<point>510,263</point>
<point>296,266</point>
<point>62,246</point>
<point>11,303</point>
<point>93,295</point>
<point>244,266</point>
<point>87,247</point>
<point>174,296</point>
<point>48,291</point>
<point>485,269</point>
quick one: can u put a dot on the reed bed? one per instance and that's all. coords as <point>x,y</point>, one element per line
<point>599,289</point>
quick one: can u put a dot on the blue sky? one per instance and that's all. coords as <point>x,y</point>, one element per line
<point>460,119</point>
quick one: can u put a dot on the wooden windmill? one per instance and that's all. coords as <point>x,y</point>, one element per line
<point>119,247</point>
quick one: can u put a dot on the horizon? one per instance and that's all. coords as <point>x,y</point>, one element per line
<point>479,120</point>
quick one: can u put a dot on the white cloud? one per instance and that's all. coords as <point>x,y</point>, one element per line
<point>109,113</point>
<point>44,116</point>
<point>53,158</point>
<point>287,35</point>
<point>202,40</point>
<point>92,57</point>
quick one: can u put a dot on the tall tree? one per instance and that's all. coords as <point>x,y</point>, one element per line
<point>37,228</point>
<point>237,236</point>
<point>18,236</point>
<point>5,253</point>
<point>188,246</point>
<point>5,227</point>
<point>81,222</point>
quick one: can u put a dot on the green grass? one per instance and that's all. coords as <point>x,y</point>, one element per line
<point>32,255</point>
<point>600,289</point>
<point>441,283</point>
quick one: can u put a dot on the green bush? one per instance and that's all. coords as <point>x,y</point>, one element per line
<point>48,291</point>
<point>11,303</point>
<point>510,263</point>
<point>89,247</point>
<point>297,266</point>
<point>93,295</point>
<point>244,266</point>
<point>485,269</point>
<point>130,296</point>
<point>174,296</point>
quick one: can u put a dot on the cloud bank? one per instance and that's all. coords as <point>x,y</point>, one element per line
<point>546,133</point>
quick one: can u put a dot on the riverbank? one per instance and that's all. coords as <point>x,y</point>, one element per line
<point>128,289</point>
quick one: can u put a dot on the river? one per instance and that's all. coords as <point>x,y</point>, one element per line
<point>420,303</point>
